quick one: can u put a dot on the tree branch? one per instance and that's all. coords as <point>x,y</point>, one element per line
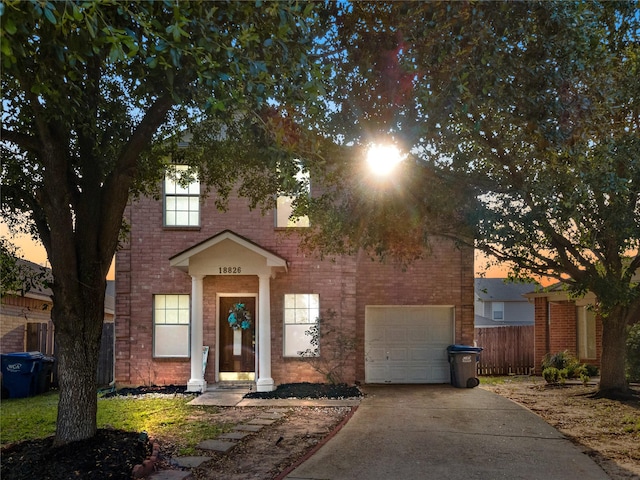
<point>26,142</point>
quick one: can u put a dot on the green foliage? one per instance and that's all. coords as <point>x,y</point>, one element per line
<point>17,275</point>
<point>551,374</point>
<point>35,417</point>
<point>563,365</point>
<point>633,353</point>
<point>331,348</point>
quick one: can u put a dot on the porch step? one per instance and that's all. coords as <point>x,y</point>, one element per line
<point>249,386</point>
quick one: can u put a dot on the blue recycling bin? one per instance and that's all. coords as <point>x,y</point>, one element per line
<point>463,361</point>
<point>20,373</point>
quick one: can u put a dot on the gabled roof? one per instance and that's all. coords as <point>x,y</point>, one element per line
<point>496,290</point>
<point>181,260</point>
<point>43,293</point>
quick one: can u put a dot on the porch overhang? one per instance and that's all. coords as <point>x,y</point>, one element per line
<point>228,249</point>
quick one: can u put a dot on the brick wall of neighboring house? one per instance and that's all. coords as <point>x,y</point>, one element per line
<point>563,327</point>
<point>598,358</point>
<point>556,330</point>
<point>15,313</point>
<point>541,333</point>
<point>345,285</point>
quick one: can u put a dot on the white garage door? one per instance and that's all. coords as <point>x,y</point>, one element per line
<point>407,344</point>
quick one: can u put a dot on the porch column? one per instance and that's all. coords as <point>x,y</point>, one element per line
<point>265,383</point>
<point>196,383</point>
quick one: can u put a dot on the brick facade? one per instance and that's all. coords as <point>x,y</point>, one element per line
<point>556,329</point>
<point>345,285</point>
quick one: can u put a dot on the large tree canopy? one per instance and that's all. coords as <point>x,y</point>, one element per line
<point>521,125</point>
<point>96,97</point>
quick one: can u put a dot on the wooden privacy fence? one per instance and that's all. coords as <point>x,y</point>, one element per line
<point>40,339</point>
<point>506,350</point>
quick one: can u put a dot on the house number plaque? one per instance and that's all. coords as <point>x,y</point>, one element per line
<point>229,270</point>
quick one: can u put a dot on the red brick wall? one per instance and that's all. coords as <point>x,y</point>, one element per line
<point>345,285</point>
<point>444,277</point>
<point>563,327</point>
<point>541,339</point>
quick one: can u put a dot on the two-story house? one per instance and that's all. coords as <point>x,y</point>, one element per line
<point>204,296</point>
<point>501,303</point>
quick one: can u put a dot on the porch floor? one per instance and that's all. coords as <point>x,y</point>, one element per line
<point>232,395</point>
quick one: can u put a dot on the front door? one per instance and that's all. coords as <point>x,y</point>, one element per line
<point>237,346</point>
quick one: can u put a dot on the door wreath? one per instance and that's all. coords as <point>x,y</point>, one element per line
<point>239,317</point>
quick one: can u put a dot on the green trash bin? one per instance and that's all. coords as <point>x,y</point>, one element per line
<point>463,360</point>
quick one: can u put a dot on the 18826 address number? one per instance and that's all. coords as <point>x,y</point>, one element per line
<point>230,270</point>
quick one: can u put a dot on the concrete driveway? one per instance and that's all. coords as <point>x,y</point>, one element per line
<point>445,433</point>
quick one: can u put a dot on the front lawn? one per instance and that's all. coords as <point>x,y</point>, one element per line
<point>159,416</point>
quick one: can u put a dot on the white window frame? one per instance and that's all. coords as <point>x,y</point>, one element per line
<point>586,333</point>
<point>171,326</point>
<point>497,311</point>
<point>301,312</point>
<point>180,204</point>
<point>284,207</point>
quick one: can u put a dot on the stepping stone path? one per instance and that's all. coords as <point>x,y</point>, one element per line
<point>222,444</point>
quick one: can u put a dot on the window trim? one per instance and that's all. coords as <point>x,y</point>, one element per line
<point>300,222</point>
<point>586,336</point>
<point>306,326</point>
<point>495,310</point>
<point>189,196</point>
<point>155,325</point>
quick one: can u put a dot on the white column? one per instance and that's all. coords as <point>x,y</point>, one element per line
<point>196,383</point>
<point>265,383</point>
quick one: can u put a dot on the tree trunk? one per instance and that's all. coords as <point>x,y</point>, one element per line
<point>78,317</point>
<point>613,380</point>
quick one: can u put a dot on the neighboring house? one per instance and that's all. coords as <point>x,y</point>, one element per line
<point>562,323</point>
<point>25,319</point>
<point>186,265</point>
<point>501,303</point>
<point>26,326</point>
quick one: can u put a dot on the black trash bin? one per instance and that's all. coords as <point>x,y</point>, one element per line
<point>463,360</point>
<point>20,371</point>
<point>45,374</point>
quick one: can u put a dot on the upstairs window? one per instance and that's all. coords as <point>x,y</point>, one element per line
<point>497,309</point>
<point>181,200</point>
<point>284,207</point>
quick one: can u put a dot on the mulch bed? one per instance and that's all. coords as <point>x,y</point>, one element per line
<point>309,390</point>
<point>111,454</point>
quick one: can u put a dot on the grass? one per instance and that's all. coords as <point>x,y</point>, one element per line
<point>500,380</point>
<point>169,417</point>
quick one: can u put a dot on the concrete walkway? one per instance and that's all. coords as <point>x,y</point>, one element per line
<point>441,432</point>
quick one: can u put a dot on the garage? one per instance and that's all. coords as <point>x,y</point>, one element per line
<point>407,344</point>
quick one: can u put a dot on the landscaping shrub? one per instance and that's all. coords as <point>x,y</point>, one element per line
<point>633,354</point>
<point>562,366</point>
<point>551,374</point>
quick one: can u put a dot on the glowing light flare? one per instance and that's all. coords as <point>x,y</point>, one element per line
<point>383,159</point>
